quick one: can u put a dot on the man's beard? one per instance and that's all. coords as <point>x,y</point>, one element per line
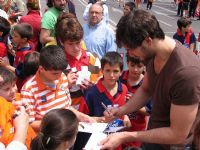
<point>148,55</point>
<point>60,8</point>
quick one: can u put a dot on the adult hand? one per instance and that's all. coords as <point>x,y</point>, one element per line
<point>86,84</point>
<point>112,113</point>
<point>112,141</point>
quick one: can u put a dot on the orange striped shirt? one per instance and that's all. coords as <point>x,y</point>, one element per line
<point>42,98</point>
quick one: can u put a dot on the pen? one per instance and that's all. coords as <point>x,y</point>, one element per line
<point>81,125</point>
<point>104,106</point>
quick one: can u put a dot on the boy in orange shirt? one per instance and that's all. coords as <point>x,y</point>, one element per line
<point>7,109</point>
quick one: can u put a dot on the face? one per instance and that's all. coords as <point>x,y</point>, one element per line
<point>49,75</point>
<point>60,4</point>
<point>135,70</point>
<point>95,14</point>
<point>126,10</point>
<point>186,29</point>
<point>73,48</point>
<point>111,74</point>
<point>16,38</point>
<point>8,91</point>
<point>142,52</point>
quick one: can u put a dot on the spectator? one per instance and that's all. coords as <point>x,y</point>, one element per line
<point>23,72</point>
<point>98,36</point>
<point>34,19</point>
<point>70,34</point>
<point>49,19</point>
<point>105,11</point>
<point>184,33</point>
<point>58,130</point>
<point>128,7</point>
<point>180,95</point>
<point>48,89</point>
<point>13,8</point>
<point>7,112</point>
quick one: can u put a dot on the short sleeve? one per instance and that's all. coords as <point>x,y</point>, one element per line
<point>192,39</point>
<point>186,87</point>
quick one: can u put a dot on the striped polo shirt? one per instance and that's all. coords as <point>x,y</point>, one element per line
<point>42,98</point>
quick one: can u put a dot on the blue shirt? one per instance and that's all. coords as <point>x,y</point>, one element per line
<point>182,39</point>
<point>98,94</point>
<point>99,39</point>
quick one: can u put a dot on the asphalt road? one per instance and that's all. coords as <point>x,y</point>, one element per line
<point>164,11</point>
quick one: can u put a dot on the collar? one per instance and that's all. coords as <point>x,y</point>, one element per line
<point>42,86</point>
<point>26,48</point>
<point>97,25</point>
<point>33,12</point>
<point>102,88</point>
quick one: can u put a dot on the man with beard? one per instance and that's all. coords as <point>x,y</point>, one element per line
<point>49,19</point>
<point>98,36</point>
<point>172,80</point>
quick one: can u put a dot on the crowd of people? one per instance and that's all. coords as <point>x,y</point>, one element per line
<point>55,73</point>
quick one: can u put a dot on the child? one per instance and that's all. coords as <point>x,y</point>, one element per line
<point>128,7</point>
<point>21,35</point>
<point>48,89</point>
<point>133,79</point>
<point>69,33</point>
<point>58,130</point>
<point>184,33</point>
<point>108,90</point>
<point>4,30</point>
<point>25,70</point>
<point>7,109</point>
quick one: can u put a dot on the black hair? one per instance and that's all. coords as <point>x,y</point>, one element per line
<point>4,26</point>
<point>112,58</point>
<point>58,126</point>
<point>25,30</point>
<point>6,76</point>
<point>31,63</point>
<point>134,60</point>
<point>53,58</point>
<point>134,27</point>
<point>131,5</point>
<point>183,22</point>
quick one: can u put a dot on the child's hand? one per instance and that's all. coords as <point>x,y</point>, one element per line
<point>127,122</point>
<point>128,96</point>
<point>3,62</point>
<point>72,77</point>
<point>86,84</point>
<point>11,50</point>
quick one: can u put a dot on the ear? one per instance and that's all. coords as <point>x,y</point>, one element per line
<point>25,40</point>
<point>66,144</point>
<point>148,41</point>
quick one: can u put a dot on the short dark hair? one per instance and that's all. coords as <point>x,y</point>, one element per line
<point>4,26</point>
<point>57,126</point>
<point>112,58</point>
<point>31,60</point>
<point>134,60</point>
<point>134,27</point>
<point>131,5</point>
<point>25,30</point>
<point>68,28</point>
<point>6,76</point>
<point>53,58</point>
<point>183,22</point>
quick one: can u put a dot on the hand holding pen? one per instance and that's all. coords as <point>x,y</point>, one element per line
<point>110,113</point>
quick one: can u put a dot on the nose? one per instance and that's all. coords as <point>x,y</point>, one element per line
<point>63,1</point>
<point>14,89</point>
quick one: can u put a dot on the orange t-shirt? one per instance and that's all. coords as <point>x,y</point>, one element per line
<point>6,124</point>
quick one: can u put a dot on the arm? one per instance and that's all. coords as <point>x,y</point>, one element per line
<point>36,125</point>
<point>138,100</point>
<point>176,133</point>
<point>45,36</point>
<point>192,42</point>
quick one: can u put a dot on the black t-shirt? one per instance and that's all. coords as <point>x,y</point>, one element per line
<point>178,83</point>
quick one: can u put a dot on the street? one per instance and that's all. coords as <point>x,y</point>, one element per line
<point>164,11</point>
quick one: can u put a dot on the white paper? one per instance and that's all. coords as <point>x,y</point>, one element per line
<point>91,127</point>
<point>93,142</point>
